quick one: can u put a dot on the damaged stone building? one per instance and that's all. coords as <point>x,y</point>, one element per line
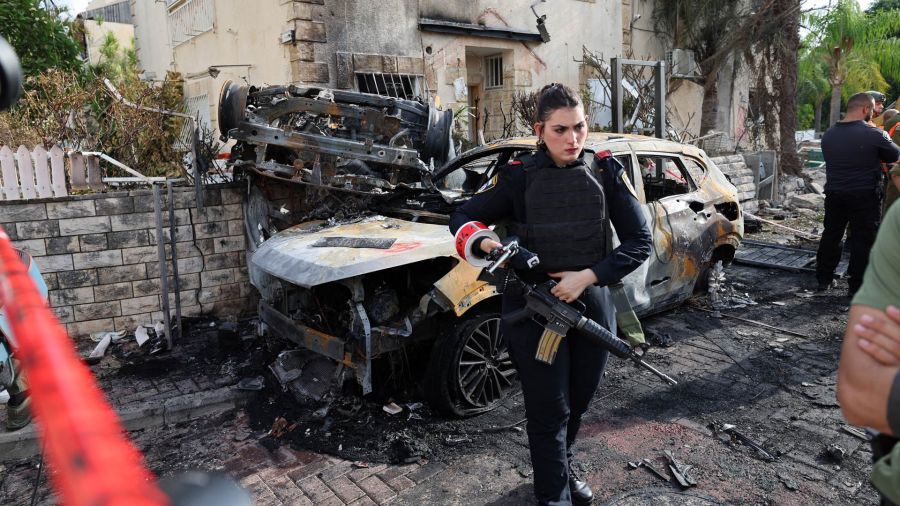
<point>470,57</point>
<point>474,54</point>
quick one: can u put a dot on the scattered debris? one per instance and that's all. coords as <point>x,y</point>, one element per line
<point>680,471</point>
<point>799,233</point>
<point>650,467</point>
<point>360,464</point>
<point>853,431</point>
<point>307,375</point>
<point>242,434</point>
<point>114,336</point>
<point>252,384</point>
<point>99,350</point>
<point>155,335</point>
<point>788,482</point>
<point>142,334</point>
<point>718,314</point>
<point>659,339</point>
<point>452,440</point>
<point>722,295</point>
<point>501,428</point>
<point>392,408</point>
<point>835,453</point>
<point>280,427</point>
<point>732,431</point>
<point>406,449</point>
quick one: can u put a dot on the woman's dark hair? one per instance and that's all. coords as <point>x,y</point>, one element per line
<point>552,97</point>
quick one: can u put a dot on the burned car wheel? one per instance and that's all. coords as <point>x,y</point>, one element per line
<point>471,370</point>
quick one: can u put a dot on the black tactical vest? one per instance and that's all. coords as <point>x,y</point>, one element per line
<point>565,215</point>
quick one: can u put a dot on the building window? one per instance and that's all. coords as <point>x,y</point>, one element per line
<point>190,18</point>
<point>493,71</point>
<point>119,12</point>
<point>404,86</point>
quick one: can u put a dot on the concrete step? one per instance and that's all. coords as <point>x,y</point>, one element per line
<point>24,443</point>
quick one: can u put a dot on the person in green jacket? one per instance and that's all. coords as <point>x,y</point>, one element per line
<point>868,386</point>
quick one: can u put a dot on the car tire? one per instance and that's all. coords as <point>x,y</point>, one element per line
<point>470,370</point>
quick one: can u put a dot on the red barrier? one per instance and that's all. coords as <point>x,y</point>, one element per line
<point>92,461</point>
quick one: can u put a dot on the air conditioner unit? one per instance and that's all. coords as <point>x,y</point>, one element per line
<point>682,63</point>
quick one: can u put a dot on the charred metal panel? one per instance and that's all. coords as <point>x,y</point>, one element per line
<point>289,255</point>
<point>777,256</point>
<point>311,339</point>
<point>315,130</point>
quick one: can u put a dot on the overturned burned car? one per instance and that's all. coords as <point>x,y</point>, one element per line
<point>346,220</point>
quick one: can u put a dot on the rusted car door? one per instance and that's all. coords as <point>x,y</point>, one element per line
<point>677,216</point>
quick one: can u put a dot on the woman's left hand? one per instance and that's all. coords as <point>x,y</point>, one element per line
<point>572,283</point>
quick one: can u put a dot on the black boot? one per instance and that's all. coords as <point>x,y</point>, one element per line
<point>580,491</point>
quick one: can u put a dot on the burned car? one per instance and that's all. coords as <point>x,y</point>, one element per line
<point>346,220</point>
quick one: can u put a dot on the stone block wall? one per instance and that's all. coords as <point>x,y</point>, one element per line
<point>99,257</point>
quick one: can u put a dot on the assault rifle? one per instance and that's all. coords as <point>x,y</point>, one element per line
<point>557,317</point>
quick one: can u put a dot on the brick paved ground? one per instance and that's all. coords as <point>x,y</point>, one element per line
<point>776,388</point>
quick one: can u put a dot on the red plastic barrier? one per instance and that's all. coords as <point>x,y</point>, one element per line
<point>91,460</point>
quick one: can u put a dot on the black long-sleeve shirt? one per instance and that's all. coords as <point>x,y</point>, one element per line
<point>506,200</point>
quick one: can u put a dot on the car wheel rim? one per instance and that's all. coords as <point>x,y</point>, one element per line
<point>485,369</point>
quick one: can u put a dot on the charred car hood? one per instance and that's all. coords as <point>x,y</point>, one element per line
<point>292,256</point>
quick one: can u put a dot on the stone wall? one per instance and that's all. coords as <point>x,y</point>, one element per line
<point>98,255</point>
<point>741,176</point>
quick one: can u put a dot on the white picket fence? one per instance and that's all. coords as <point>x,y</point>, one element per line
<point>39,173</point>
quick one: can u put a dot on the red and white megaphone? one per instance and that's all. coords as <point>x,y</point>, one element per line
<point>468,236</point>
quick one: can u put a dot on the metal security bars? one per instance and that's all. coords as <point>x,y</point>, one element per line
<point>405,86</point>
<point>493,71</point>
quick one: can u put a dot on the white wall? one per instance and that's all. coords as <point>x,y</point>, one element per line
<point>151,38</point>
<point>95,34</point>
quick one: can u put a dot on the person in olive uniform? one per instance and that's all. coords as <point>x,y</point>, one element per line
<point>559,202</point>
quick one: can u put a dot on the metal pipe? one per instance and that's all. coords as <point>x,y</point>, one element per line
<point>163,268</point>
<point>175,281</point>
<point>660,71</point>
<point>805,235</point>
<point>117,164</point>
<point>616,89</point>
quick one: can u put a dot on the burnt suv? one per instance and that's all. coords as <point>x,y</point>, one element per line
<point>346,220</point>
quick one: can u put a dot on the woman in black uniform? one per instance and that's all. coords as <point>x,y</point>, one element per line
<point>559,204</point>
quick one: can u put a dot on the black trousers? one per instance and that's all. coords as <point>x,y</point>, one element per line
<point>861,211</point>
<point>557,395</point>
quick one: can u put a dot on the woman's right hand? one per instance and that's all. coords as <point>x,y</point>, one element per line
<point>488,245</point>
<point>880,336</point>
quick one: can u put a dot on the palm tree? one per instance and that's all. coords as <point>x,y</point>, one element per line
<point>812,84</point>
<point>860,50</point>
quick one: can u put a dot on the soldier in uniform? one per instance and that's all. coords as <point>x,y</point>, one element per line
<point>559,202</point>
